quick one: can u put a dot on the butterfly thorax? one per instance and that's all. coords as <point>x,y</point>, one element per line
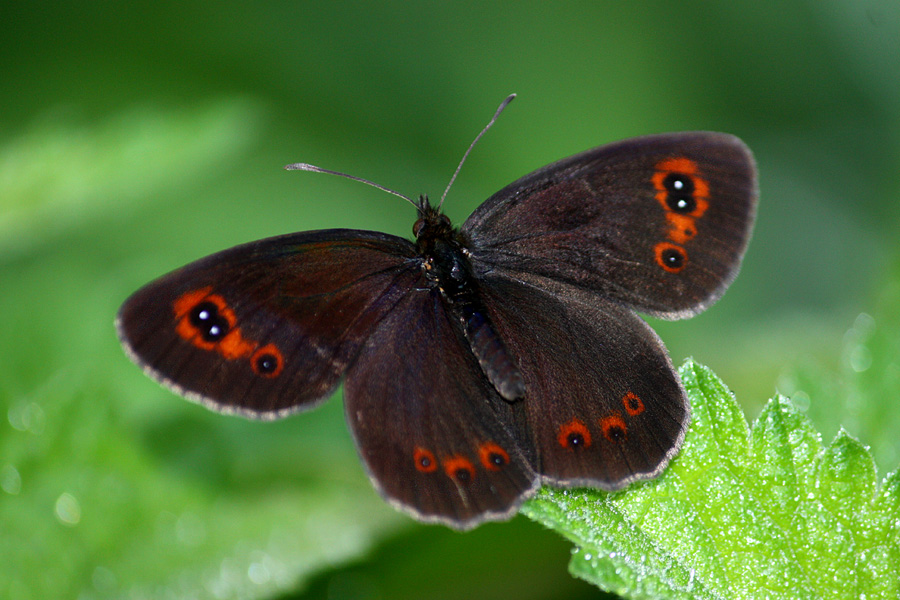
<point>447,268</point>
<point>445,259</point>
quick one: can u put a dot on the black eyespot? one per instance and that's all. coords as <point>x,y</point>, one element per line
<point>633,404</point>
<point>681,204</point>
<point>425,461</point>
<point>206,318</point>
<point>673,258</point>
<point>680,198</point>
<point>493,457</point>
<point>575,440</point>
<point>676,183</point>
<point>266,363</point>
<point>615,433</point>
<point>462,475</point>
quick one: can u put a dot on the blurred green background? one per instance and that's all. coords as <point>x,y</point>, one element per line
<point>137,137</point>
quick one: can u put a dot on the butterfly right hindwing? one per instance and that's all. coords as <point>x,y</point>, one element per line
<point>604,404</point>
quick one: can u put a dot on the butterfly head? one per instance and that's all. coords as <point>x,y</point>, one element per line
<point>432,224</point>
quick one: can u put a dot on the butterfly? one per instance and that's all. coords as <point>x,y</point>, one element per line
<point>479,362</point>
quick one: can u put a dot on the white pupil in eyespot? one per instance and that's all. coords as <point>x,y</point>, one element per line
<point>214,330</point>
<point>682,204</point>
<point>678,184</point>
<point>204,315</point>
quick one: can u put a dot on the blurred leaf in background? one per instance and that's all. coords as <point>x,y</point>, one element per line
<point>135,138</point>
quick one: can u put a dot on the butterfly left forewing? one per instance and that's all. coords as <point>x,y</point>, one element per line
<point>659,223</point>
<point>269,327</point>
<point>604,404</point>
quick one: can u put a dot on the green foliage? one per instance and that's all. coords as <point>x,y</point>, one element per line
<point>858,391</point>
<point>153,508</point>
<point>59,173</point>
<point>766,511</point>
<point>137,139</point>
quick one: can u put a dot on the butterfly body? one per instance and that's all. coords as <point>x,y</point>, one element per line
<point>481,362</point>
<point>447,267</point>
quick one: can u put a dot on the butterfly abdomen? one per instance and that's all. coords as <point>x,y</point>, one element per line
<point>491,353</point>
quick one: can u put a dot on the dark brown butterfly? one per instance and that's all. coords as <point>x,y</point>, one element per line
<point>480,362</point>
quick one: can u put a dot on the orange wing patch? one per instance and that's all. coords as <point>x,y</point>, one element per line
<point>684,196</point>
<point>206,321</point>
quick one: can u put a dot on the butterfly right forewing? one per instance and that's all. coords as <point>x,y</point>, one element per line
<point>657,223</point>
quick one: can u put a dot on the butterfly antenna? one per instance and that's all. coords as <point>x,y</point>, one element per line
<point>315,169</point>
<point>503,104</point>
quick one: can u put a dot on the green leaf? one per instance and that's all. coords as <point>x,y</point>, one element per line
<point>761,512</point>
